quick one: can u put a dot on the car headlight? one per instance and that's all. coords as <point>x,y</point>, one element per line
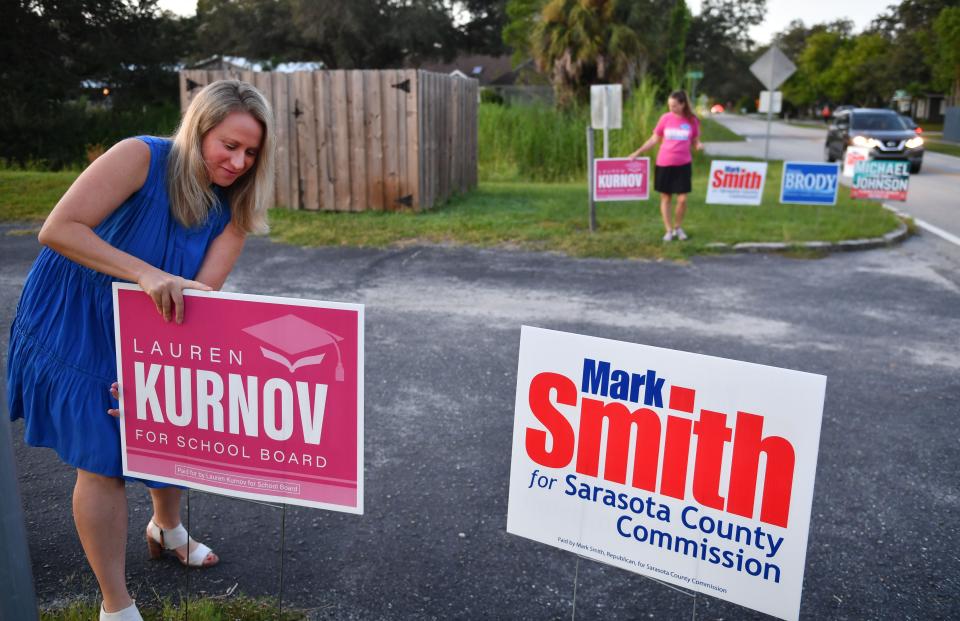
<point>863,141</point>
<point>915,142</point>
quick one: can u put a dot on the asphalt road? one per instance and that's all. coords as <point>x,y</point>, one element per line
<point>443,326</point>
<point>934,194</point>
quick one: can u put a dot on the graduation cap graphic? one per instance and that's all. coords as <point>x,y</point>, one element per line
<point>294,336</point>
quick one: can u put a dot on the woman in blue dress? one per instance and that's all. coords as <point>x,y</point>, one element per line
<point>168,214</point>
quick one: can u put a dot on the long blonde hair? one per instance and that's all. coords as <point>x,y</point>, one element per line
<point>188,183</point>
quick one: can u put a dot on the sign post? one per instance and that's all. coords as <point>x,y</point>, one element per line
<point>606,113</point>
<point>772,69</point>
<point>606,110</point>
<point>693,77</point>
<point>592,209</point>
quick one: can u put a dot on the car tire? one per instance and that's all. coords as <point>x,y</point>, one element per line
<point>915,167</point>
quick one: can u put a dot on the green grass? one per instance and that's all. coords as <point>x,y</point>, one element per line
<point>942,146</point>
<point>208,609</point>
<point>534,216</point>
<point>553,216</point>
<point>31,195</point>
<point>712,131</point>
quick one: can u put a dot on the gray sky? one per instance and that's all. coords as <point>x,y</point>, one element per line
<point>779,12</point>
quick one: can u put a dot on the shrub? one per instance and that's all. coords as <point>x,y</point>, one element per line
<point>538,142</point>
<point>67,135</point>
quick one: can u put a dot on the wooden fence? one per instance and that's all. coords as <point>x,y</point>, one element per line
<point>365,140</point>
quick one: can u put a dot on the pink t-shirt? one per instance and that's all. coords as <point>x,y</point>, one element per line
<point>677,133</point>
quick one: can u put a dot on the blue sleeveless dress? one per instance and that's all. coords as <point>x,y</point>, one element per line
<point>61,359</point>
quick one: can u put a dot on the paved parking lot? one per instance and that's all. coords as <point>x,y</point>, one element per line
<point>442,329</point>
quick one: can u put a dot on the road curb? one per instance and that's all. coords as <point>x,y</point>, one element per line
<point>893,237</point>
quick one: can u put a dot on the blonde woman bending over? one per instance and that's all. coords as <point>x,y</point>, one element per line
<point>168,214</point>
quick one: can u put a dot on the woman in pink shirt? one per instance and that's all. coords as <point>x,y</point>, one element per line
<point>680,130</point>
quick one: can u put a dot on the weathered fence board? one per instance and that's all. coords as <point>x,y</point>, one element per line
<point>358,158</point>
<point>325,167</point>
<point>341,140</point>
<point>306,122</point>
<point>391,140</point>
<point>365,140</point>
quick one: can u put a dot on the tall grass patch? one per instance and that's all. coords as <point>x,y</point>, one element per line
<point>537,142</point>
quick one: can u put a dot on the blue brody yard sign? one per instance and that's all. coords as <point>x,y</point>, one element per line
<point>810,183</point>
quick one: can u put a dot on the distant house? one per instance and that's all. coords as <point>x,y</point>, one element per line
<point>238,63</point>
<point>485,69</point>
<point>928,107</point>
<point>498,75</point>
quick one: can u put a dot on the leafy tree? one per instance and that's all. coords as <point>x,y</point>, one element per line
<point>813,50</point>
<point>481,34</point>
<point>946,62</point>
<point>522,17</point>
<point>50,46</point>
<point>719,43</point>
<point>662,27</point>
<point>55,51</point>
<point>908,27</point>
<point>859,73</point>
<point>344,34</point>
<point>677,30</point>
<point>225,27</point>
<point>579,43</point>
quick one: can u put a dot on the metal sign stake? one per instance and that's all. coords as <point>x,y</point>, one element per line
<point>576,576</point>
<point>592,206</point>
<point>606,123</point>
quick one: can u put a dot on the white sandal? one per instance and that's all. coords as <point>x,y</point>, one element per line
<point>160,539</point>
<point>130,613</point>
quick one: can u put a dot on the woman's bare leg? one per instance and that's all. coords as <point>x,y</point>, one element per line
<point>681,210</point>
<point>665,211</point>
<point>100,513</point>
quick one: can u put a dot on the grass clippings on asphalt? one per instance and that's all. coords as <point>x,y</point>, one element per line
<point>535,216</point>
<point>234,608</point>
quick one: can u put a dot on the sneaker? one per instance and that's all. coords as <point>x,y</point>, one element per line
<point>668,236</point>
<point>679,234</point>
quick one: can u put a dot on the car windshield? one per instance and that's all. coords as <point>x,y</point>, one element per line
<point>877,121</point>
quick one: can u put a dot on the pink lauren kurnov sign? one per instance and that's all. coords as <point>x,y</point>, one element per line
<point>251,396</point>
<point>621,179</point>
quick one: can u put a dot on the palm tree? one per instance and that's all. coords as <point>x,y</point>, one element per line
<point>578,43</point>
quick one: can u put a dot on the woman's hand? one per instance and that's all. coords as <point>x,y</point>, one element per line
<point>166,291</point>
<point>115,393</point>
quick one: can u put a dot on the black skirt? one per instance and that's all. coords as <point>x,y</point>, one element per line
<point>673,179</point>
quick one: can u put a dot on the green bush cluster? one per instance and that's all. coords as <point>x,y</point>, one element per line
<point>69,135</point>
<point>537,142</point>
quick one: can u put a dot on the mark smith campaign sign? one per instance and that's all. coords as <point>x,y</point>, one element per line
<point>693,470</point>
